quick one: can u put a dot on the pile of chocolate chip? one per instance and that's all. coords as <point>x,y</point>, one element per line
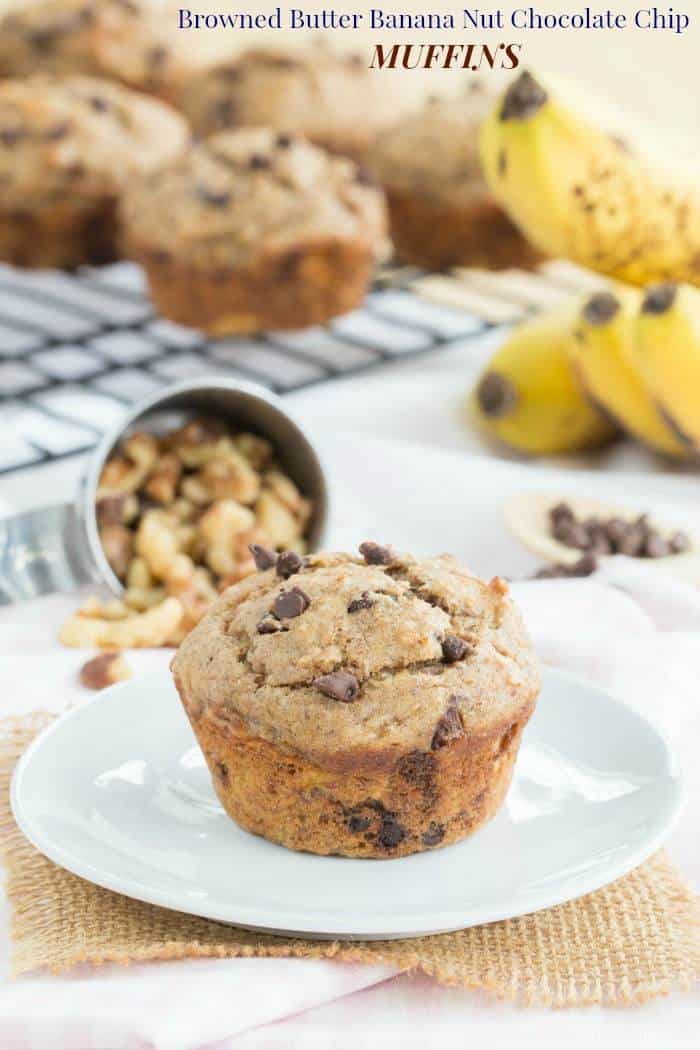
<point>601,536</point>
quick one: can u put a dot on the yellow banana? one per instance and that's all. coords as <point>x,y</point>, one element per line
<point>601,354</point>
<point>528,396</point>
<point>578,192</point>
<point>667,354</point>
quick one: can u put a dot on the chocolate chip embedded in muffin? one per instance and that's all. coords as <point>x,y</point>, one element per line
<point>449,727</point>
<point>339,685</point>
<point>454,648</point>
<point>372,755</point>
<point>290,604</point>
<point>358,604</point>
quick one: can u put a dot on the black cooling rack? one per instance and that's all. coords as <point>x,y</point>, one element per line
<point>76,349</point>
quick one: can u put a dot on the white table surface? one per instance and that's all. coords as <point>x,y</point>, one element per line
<point>420,402</point>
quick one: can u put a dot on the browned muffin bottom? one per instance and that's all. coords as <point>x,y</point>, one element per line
<point>256,230</point>
<point>437,236</point>
<point>290,289</point>
<point>365,707</point>
<point>61,236</point>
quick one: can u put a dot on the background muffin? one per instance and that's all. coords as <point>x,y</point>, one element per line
<point>441,211</point>
<point>255,230</point>
<point>370,707</point>
<point>67,148</point>
<point>331,99</point>
<point>127,40</point>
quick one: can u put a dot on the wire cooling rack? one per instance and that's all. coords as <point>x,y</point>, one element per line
<point>75,350</point>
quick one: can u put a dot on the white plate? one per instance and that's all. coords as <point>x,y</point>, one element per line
<point>117,791</point>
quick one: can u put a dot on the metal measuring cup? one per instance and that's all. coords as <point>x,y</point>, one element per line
<point>58,548</point>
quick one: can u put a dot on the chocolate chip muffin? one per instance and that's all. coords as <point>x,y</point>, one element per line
<point>67,147</point>
<point>125,40</point>
<point>256,229</point>
<point>441,211</point>
<point>331,99</point>
<point>368,707</point>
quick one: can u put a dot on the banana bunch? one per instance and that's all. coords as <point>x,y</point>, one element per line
<point>529,399</point>
<point>580,193</point>
<point>618,360</point>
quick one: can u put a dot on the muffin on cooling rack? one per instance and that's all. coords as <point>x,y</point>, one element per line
<point>441,211</point>
<point>67,148</point>
<point>254,230</point>
<point>368,707</point>
<point>331,99</point>
<point>126,40</point>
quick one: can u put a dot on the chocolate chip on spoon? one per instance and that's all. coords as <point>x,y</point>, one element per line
<point>291,603</point>
<point>453,648</point>
<point>288,563</point>
<point>338,685</point>
<point>375,554</point>
<point>263,557</point>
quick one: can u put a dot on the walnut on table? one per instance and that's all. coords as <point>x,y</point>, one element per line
<point>103,670</point>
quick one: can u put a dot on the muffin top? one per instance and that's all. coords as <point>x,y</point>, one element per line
<point>331,99</point>
<point>124,39</point>
<point>347,659</point>
<point>54,36</point>
<point>254,192</point>
<point>435,152</point>
<point>79,137</point>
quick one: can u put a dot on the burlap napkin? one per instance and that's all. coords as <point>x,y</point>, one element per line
<point>632,940</point>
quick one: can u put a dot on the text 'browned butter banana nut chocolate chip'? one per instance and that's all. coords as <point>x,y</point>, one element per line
<point>68,146</point>
<point>256,229</point>
<point>365,706</point>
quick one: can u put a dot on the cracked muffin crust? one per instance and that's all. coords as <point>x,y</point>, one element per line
<point>331,99</point>
<point>68,145</point>
<point>256,229</point>
<point>369,707</point>
<point>440,208</point>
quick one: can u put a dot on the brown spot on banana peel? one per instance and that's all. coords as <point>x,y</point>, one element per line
<point>601,308</point>
<point>660,298</point>
<point>523,99</point>
<point>496,395</point>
